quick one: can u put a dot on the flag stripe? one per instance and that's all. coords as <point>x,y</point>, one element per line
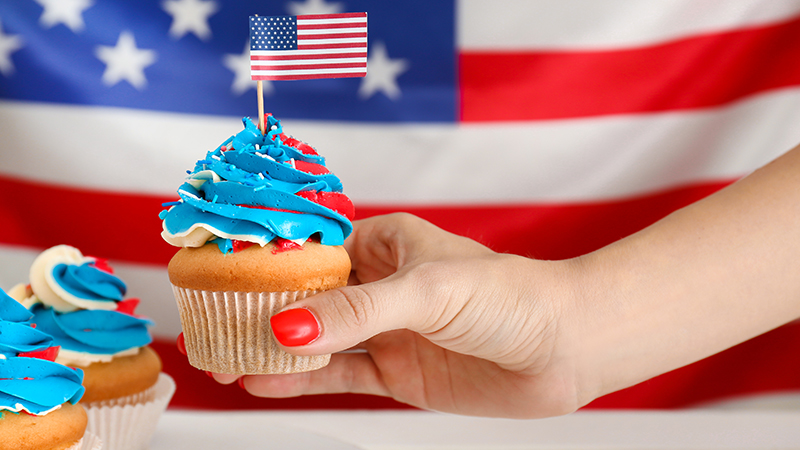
<point>288,54</point>
<point>311,75</point>
<point>335,37</point>
<point>282,68</point>
<point>564,161</point>
<point>354,44</point>
<point>291,71</point>
<point>604,25</point>
<point>272,57</point>
<point>320,43</point>
<point>332,17</point>
<point>697,72</point>
<point>362,62</point>
<point>130,222</point>
<point>329,26</point>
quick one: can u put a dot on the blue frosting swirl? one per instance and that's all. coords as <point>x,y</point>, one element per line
<point>16,333</point>
<point>87,282</point>
<point>99,332</point>
<point>30,384</point>
<point>254,198</point>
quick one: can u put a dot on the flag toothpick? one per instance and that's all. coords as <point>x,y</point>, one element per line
<point>306,47</point>
<point>260,92</point>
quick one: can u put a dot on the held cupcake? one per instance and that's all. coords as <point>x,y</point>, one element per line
<point>38,398</point>
<point>261,222</point>
<point>80,303</point>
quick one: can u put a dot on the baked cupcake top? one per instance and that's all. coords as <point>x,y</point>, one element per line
<point>80,303</point>
<point>255,188</point>
<point>29,379</point>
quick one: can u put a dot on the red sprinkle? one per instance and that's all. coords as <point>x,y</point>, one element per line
<point>128,306</point>
<point>48,354</point>
<point>284,245</point>
<point>102,264</point>
<point>240,245</point>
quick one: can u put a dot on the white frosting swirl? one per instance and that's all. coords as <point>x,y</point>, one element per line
<point>48,290</point>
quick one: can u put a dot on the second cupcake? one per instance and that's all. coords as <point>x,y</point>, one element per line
<point>80,303</point>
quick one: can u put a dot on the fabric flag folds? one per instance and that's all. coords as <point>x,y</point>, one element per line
<point>541,128</point>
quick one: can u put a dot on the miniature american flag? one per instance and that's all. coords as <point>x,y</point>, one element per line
<point>308,46</point>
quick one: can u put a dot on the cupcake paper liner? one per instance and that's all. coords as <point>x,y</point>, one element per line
<point>229,332</point>
<point>89,441</point>
<point>124,424</point>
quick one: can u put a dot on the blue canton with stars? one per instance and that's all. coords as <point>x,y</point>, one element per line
<point>193,57</point>
<point>273,33</point>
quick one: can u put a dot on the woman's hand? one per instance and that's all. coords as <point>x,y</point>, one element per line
<point>449,325</point>
<point>441,323</point>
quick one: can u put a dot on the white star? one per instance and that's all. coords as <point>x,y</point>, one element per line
<point>125,61</point>
<point>68,12</point>
<point>382,73</point>
<point>8,45</point>
<point>190,16</point>
<point>314,7</point>
<point>240,65</point>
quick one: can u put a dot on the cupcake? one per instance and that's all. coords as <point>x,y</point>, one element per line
<point>80,303</point>
<point>38,398</point>
<point>260,222</point>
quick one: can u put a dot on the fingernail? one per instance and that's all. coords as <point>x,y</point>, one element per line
<point>209,374</point>
<point>240,382</point>
<point>295,327</point>
<point>181,344</point>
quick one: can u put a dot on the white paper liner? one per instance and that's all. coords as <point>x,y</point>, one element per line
<point>229,332</point>
<point>124,425</point>
<point>89,441</point>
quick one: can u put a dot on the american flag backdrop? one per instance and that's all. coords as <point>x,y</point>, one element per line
<point>546,128</point>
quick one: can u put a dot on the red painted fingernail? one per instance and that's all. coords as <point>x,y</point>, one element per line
<point>209,374</point>
<point>295,327</point>
<point>240,382</point>
<point>181,344</point>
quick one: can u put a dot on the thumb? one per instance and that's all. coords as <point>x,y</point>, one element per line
<point>339,319</point>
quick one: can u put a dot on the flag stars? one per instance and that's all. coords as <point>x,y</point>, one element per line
<point>68,12</point>
<point>190,16</point>
<point>8,45</point>
<point>240,66</point>
<point>314,7</point>
<point>125,61</point>
<point>382,73</point>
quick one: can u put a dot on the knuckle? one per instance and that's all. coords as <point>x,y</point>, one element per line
<point>353,305</point>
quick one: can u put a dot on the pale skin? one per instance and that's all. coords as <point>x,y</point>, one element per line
<point>449,325</point>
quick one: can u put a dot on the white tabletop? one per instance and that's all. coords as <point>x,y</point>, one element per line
<point>418,430</point>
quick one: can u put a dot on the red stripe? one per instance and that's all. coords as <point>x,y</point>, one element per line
<point>698,72</point>
<point>126,227</point>
<point>111,225</point>
<point>553,231</point>
<point>323,26</point>
<point>309,76</point>
<point>315,56</point>
<point>331,16</point>
<point>311,66</point>
<point>307,37</point>
<point>353,45</point>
